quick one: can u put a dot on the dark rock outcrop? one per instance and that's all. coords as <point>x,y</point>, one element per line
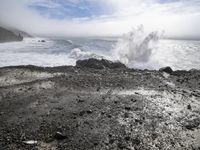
<point>9,36</point>
<point>42,41</point>
<point>99,64</point>
<point>166,69</point>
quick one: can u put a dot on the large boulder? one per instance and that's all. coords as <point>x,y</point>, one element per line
<point>166,69</point>
<point>99,64</point>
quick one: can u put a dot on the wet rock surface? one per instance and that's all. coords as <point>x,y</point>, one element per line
<point>81,108</point>
<point>166,69</point>
<point>99,64</point>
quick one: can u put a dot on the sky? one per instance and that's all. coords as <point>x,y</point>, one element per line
<point>178,18</point>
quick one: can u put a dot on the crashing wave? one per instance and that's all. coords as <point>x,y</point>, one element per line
<point>136,46</point>
<point>80,54</point>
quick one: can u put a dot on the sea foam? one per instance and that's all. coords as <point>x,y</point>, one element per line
<point>136,47</point>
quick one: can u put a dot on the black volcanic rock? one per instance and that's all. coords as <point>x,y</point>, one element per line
<point>99,64</point>
<point>9,36</point>
<point>61,108</point>
<point>59,136</point>
<point>166,69</point>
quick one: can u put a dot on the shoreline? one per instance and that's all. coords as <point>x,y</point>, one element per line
<point>70,107</point>
<point>29,66</point>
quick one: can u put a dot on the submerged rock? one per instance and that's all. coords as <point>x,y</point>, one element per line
<point>166,69</point>
<point>99,64</point>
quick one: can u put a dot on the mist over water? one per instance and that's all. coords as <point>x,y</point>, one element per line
<point>137,49</point>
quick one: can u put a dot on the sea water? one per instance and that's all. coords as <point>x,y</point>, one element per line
<point>135,49</point>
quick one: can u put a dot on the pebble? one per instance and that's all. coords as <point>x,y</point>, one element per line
<point>80,100</point>
<point>133,100</point>
<point>30,142</point>
<point>89,111</point>
<point>128,108</point>
<point>59,136</point>
<point>189,107</point>
<point>98,89</point>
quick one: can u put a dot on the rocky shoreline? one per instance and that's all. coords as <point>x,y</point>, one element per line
<point>106,108</point>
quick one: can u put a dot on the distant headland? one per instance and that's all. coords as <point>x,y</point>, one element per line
<point>7,35</point>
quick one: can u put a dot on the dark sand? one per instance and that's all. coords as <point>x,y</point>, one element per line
<point>72,108</point>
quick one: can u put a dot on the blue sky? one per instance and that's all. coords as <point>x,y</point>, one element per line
<point>67,9</point>
<point>178,18</point>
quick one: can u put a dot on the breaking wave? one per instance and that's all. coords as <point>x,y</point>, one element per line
<point>136,47</point>
<point>80,54</point>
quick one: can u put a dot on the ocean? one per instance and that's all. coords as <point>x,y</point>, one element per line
<point>148,52</point>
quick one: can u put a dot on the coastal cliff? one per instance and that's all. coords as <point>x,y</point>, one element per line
<point>9,36</point>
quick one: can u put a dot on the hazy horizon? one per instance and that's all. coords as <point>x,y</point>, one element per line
<point>71,18</point>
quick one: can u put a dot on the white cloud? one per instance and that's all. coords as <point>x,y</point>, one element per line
<point>178,19</point>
